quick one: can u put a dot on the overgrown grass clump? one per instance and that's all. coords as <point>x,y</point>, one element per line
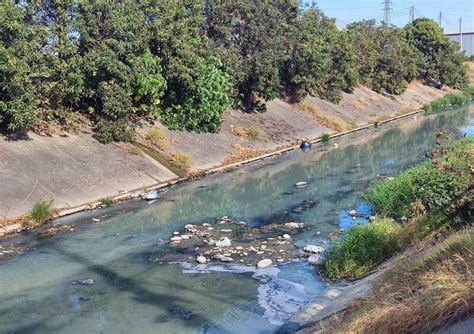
<point>182,161</point>
<point>106,201</point>
<point>325,137</point>
<point>362,248</point>
<point>40,214</point>
<point>157,137</point>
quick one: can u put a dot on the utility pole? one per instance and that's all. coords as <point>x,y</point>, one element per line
<point>460,32</point>
<point>440,19</point>
<point>412,13</point>
<point>387,9</point>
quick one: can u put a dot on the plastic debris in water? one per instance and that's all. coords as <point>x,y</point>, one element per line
<point>305,146</point>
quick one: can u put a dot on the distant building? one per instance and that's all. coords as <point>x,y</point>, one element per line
<point>307,4</point>
<point>467,41</point>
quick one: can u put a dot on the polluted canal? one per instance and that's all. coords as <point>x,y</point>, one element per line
<point>124,275</point>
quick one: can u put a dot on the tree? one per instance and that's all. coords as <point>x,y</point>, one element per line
<point>321,62</point>
<point>440,59</point>
<point>198,89</point>
<point>21,63</point>
<point>386,61</point>
<point>253,39</point>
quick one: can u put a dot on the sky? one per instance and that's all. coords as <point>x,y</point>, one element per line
<point>346,11</point>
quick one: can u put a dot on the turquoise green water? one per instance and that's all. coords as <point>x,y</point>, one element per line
<point>133,295</point>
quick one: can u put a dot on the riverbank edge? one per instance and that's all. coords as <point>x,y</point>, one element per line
<point>15,226</point>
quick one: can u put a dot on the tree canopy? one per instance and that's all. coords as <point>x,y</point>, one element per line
<point>185,62</point>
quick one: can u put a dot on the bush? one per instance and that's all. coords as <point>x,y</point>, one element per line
<point>362,248</point>
<point>42,212</point>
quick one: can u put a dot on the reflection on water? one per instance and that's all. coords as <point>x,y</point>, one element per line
<point>131,294</point>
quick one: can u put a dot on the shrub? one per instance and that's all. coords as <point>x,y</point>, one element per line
<point>107,131</point>
<point>325,137</point>
<point>182,161</point>
<point>158,138</point>
<point>438,189</point>
<point>42,212</point>
<point>362,248</point>
<point>253,132</point>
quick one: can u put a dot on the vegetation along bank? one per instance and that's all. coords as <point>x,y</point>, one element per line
<point>424,219</point>
<point>185,63</point>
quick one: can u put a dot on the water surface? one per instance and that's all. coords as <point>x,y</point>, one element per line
<point>133,295</point>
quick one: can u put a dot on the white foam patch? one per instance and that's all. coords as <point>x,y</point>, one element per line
<point>280,298</point>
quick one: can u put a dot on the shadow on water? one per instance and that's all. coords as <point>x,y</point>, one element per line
<point>170,303</point>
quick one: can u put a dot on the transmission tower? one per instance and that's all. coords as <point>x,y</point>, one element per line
<point>387,12</point>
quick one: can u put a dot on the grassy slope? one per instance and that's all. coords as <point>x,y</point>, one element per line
<point>419,294</point>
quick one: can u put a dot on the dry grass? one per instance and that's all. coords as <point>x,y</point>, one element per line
<point>134,150</point>
<point>252,133</point>
<point>419,295</point>
<point>330,122</point>
<point>238,131</point>
<point>243,153</point>
<point>182,161</point>
<point>156,137</point>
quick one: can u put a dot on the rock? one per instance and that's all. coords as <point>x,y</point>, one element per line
<point>265,263</point>
<point>263,247</point>
<point>301,184</point>
<point>151,195</point>
<point>201,259</point>
<point>185,237</point>
<point>226,259</point>
<point>372,218</point>
<point>286,236</point>
<point>353,213</point>
<point>224,242</point>
<point>206,225</point>
<point>95,220</point>
<point>315,260</point>
<point>280,260</point>
<point>242,223</point>
<point>293,225</point>
<point>226,230</point>
<point>83,281</point>
<point>260,252</point>
<point>313,249</point>
<point>176,239</point>
<point>176,233</point>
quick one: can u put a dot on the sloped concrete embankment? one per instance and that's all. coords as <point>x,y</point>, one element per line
<point>74,169</point>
